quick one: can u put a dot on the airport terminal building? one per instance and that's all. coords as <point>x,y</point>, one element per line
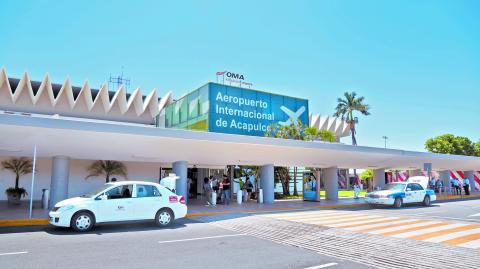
<point>208,131</point>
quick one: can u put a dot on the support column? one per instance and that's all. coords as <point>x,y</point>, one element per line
<point>267,183</point>
<point>180,169</point>
<point>59,180</point>
<point>331,183</point>
<point>378,178</point>
<point>444,177</point>
<point>470,176</point>
<point>231,176</point>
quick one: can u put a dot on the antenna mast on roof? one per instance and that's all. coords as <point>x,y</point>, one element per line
<point>115,82</point>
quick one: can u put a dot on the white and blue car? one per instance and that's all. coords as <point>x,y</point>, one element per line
<point>414,190</point>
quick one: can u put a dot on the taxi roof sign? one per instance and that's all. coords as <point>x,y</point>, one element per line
<point>422,180</point>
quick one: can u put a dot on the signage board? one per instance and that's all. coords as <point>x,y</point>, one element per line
<point>427,167</point>
<point>237,110</point>
<point>234,78</point>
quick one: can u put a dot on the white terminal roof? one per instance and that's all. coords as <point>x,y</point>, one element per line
<point>47,98</point>
<point>102,140</point>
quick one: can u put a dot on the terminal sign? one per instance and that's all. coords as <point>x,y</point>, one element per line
<point>234,78</point>
<point>244,111</point>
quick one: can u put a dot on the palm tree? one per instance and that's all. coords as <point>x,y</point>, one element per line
<point>346,107</point>
<point>295,191</point>
<point>283,176</point>
<point>19,166</point>
<point>107,169</point>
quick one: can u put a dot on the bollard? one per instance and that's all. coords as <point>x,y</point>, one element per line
<point>214,198</point>
<point>239,197</point>
<point>260,196</point>
<point>45,198</point>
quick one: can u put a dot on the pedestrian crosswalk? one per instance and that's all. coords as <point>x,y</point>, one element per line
<point>366,248</point>
<point>436,231</point>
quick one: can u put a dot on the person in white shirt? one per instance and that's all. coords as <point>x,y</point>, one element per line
<point>356,190</point>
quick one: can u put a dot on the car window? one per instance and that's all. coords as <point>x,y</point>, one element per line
<point>97,190</point>
<point>147,191</point>
<point>120,192</point>
<point>417,187</point>
<point>394,186</point>
<point>411,186</point>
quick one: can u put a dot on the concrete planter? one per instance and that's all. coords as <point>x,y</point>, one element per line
<point>13,198</point>
<point>14,195</point>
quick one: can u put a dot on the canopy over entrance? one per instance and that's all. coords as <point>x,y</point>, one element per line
<point>100,140</point>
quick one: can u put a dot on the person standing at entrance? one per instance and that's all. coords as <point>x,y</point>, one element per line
<point>439,185</point>
<point>356,190</point>
<point>189,187</point>
<point>248,187</point>
<point>456,185</point>
<point>207,190</point>
<point>226,190</point>
<point>220,191</point>
<point>466,186</point>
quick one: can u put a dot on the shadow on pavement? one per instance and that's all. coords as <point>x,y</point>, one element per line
<point>99,229</point>
<point>405,206</point>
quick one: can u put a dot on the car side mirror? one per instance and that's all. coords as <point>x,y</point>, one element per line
<point>409,189</point>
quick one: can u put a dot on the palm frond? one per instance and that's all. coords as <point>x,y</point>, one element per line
<point>19,166</point>
<point>106,168</point>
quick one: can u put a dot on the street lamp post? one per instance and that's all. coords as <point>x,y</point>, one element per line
<point>385,138</point>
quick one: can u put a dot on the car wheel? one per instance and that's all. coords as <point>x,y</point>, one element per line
<point>164,217</point>
<point>426,200</point>
<point>82,221</point>
<point>398,202</point>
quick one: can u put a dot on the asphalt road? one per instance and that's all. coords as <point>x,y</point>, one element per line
<point>187,244</point>
<point>193,244</point>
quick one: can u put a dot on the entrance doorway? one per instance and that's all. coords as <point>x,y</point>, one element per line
<point>192,181</point>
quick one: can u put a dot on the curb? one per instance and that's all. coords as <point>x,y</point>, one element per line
<point>45,221</point>
<point>23,222</point>
<point>205,214</point>
<point>458,197</point>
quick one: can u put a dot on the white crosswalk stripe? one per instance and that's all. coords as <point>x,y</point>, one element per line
<point>407,226</point>
<point>308,215</point>
<point>350,223</point>
<point>314,218</point>
<point>380,225</point>
<point>301,213</point>
<point>471,244</point>
<point>328,220</point>
<point>429,230</point>
<point>449,236</point>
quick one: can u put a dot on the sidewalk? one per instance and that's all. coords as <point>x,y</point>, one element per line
<point>11,216</point>
<point>198,208</point>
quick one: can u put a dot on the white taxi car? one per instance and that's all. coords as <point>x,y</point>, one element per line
<point>119,201</point>
<point>414,190</point>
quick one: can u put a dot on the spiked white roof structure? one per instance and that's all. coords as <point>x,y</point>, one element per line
<point>23,95</point>
<point>26,96</point>
<point>336,125</point>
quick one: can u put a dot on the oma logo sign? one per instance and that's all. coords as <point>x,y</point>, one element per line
<point>235,76</point>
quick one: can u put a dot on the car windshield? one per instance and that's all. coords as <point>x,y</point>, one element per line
<point>97,190</point>
<point>396,186</point>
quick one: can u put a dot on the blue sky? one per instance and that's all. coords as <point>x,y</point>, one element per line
<point>416,62</point>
